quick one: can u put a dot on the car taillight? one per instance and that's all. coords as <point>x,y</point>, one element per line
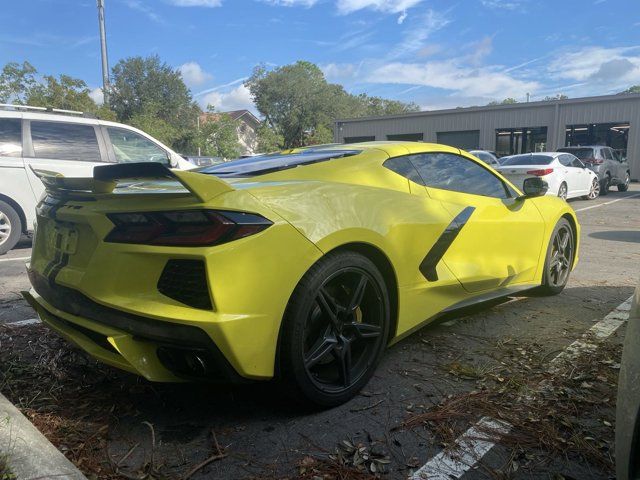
<point>188,228</point>
<point>541,172</point>
<point>594,161</point>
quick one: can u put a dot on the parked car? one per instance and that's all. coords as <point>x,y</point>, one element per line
<point>565,174</point>
<point>65,142</point>
<point>628,404</point>
<point>611,169</point>
<point>278,265</point>
<point>487,157</point>
<point>201,161</point>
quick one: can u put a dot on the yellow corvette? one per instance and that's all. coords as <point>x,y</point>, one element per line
<point>302,265</point>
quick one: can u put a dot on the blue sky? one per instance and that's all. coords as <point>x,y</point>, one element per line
<point>436,53</point>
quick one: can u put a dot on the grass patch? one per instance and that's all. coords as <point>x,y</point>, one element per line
<point>5,470</point>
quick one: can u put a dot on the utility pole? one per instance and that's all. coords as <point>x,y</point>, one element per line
<point>103,49</point>
<point>528,97</point>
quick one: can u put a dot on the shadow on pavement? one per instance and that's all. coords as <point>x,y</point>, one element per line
<point>629,236</point>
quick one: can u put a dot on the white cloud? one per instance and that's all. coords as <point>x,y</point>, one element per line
<point>339,71</point>
<point>292,3</point>
<point>145,9</point>
<point>237,99</point>
<point>402,17</point>
<point>350,6</point>
<point>196,3</point>
<point>387,6</point>
<point>581,64</point>
<point>193,74</point>
<point>97,95</point>
<point>449,75</point>
<point>421,28</point>
<point>481,49</point>
<point>504,4</point>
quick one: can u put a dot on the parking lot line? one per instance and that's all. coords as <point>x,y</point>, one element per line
<point>14,259</point>
<point>23,323</point>
<point>453,464</point>
<point>607,203</point>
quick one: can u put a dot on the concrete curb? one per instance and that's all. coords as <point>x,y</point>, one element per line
<point>29,454</point>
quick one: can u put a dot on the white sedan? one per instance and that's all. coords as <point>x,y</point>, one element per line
<point>565,174</point>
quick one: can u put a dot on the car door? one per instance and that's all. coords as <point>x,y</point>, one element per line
<point>573,176</point>
<point>585,178</point>
<point>499,237</point>
<point>71,149</point>
<point>612,164</point>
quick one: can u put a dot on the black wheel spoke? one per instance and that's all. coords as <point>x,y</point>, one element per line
<point>329,307</point>
<point>320,350</point>
<point>343,356</point>
<point>358,293</point>
<point>365,330</point>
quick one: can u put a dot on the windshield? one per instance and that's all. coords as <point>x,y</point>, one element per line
<point>263,164</point>
<point>581,153</point>
<point>528,159</point>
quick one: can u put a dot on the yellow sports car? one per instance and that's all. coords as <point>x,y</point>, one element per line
<point>301,266</point>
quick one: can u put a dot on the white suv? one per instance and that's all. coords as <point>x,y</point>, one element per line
<point>65,142</point>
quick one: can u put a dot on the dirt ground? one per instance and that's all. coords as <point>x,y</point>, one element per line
<point>491,362</point>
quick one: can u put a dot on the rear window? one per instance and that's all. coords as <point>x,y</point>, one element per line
<point>527,160</point>
<point>263,164</point>
<point>11,137</point>
<point>65,141</point>
<point>581,153</point>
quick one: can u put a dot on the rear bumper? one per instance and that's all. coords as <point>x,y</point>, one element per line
<point>157,350</point>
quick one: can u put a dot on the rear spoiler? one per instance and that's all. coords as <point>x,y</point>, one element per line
<point>107,177</point>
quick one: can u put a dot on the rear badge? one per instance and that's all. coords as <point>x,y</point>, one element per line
<point>63,239</point>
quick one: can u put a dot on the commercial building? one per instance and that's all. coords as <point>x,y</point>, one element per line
<point>612,120</point>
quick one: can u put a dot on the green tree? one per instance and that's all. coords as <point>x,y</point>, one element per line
<point>66,92</point>
<point>15,80</point>
<point>506,101</point>
<point>299,104</point>
<point>218,135</point>
<point>559,96</point>
<point>146,87</point>
<point>632,89</point>
<point>268,139</point>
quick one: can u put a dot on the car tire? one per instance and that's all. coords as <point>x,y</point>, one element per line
<point>594,192</point>
<point>624,186</point>
<point>335,329</point>
<point>559,259</point>
<point>10,227</point>
<point>563,191</point>
<point>605,184</point>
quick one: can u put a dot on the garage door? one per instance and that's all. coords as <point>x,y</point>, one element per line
<point>466,140</point>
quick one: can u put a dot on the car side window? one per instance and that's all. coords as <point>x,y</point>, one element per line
<point>130,147</point>
<point>607,154</point>
<point>403,166</point>
<point>448,171</point>
<point>576,162</point>
<point>566,160</point>
<point>65,141</point>
<point>11,137</point>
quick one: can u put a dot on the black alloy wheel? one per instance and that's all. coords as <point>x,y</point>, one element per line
<point>336,328</point>
<point>559,259</point>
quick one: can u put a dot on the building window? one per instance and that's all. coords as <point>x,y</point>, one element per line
<point>406,137</point>
<point>614,135</point>
<point>511,141</point>
<point>466,139</point>
<point>359,139</point>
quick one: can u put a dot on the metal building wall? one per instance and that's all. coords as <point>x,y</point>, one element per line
<point>554,115</point>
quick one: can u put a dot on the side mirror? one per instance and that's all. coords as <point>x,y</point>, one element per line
<point>534,187</point>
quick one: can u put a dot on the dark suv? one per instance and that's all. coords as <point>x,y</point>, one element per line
<point>611,168</point>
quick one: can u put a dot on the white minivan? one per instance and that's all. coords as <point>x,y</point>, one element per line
<point>65,142</point>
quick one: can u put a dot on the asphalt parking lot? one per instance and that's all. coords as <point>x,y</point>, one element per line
<point>429,389</point>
